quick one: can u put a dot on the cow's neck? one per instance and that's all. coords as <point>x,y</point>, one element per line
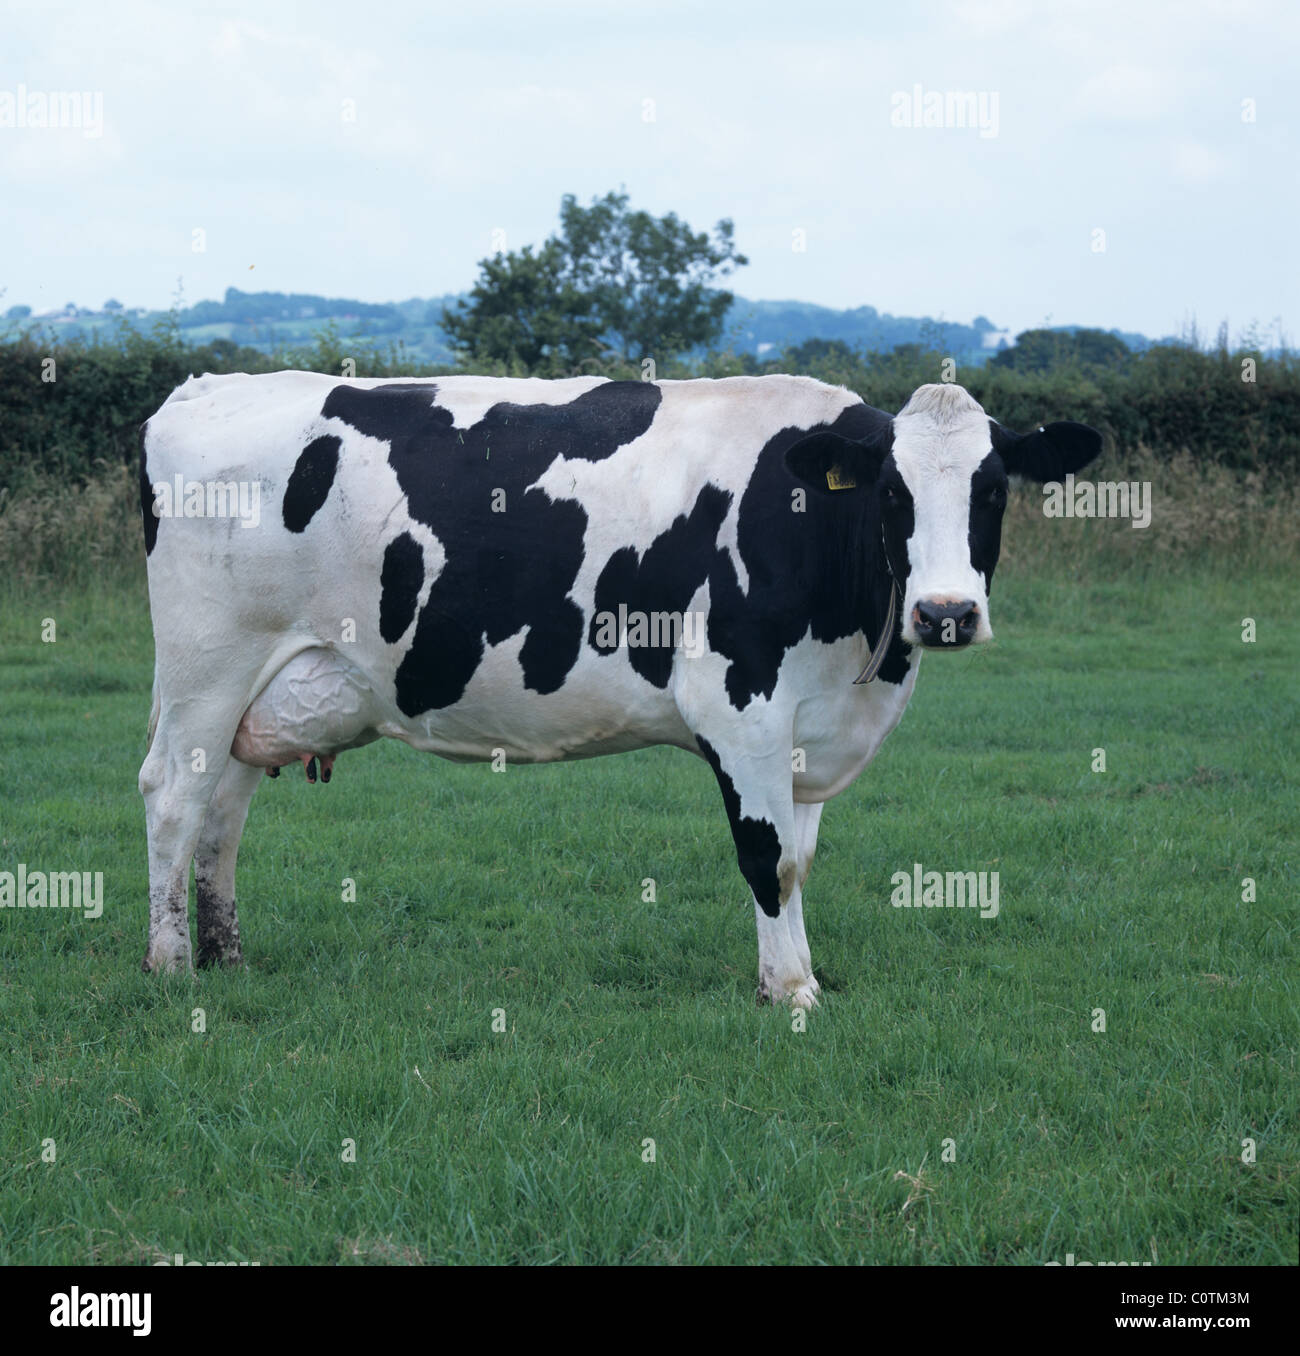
<point>854,593</point>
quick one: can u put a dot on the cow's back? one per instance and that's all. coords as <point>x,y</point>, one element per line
<point>459,539</point>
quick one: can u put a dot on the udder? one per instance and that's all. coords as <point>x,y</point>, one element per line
<point>315,707</point>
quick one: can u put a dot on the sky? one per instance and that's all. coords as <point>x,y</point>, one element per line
<point>1131,165</point>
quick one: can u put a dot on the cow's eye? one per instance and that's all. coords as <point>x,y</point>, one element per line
<point>996,497</point>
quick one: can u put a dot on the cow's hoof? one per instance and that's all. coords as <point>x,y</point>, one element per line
<point>218,931</point>
<point>800,993</point>
<point>159,961</point>
<point>805,996</point>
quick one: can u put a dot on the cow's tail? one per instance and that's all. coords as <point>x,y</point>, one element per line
<point>153,713</point>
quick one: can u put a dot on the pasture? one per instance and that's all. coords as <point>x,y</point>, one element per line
<point>626,1022</point>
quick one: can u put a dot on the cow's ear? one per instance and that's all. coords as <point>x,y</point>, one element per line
<point>1050,453</point>
<point>829,463</point>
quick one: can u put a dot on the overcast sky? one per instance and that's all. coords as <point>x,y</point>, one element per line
<point>371,150</point>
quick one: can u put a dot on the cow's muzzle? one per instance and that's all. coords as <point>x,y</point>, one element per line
<point>944,625</point>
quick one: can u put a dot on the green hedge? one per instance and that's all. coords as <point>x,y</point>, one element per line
<point>103,390</point>
<point>1169,400</point>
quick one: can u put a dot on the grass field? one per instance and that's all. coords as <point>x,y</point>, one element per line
<point>627,1022</point>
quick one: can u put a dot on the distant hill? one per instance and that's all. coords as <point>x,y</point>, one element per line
<point>271,320</point>
<point>767,327</point>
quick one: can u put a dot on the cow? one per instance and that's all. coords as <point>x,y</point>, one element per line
<point>746,568</point>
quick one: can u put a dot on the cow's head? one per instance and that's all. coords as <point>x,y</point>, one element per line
<point>935,480</point>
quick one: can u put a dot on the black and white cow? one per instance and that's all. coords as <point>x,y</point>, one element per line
<point>555,569</point>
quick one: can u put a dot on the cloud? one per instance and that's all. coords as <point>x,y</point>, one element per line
<point>994,16</point>
<point>1128,93</point>
<point>1111,112</point>
<point>1195,163</point>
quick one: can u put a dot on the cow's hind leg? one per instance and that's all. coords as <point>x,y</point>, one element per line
<point>214,865</point>
<point>759,799</point>
<point>185,763</point>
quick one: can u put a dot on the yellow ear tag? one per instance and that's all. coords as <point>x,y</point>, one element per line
<point>839,479</point>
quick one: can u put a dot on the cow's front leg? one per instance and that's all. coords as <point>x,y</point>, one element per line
<point>807,818</point>
<point>782,977</point>
<point>760,807</point>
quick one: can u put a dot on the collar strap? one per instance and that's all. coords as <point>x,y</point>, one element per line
<point>886,637</point>
<point>877,657</point>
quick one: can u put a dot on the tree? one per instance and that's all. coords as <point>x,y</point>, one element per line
<point>613,285</point>
<point>1042,350</point>
<point>651,277</point>
<point>524,312</point>
<point>800,357</point>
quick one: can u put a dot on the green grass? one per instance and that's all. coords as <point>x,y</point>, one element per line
<point>627,1022</point>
